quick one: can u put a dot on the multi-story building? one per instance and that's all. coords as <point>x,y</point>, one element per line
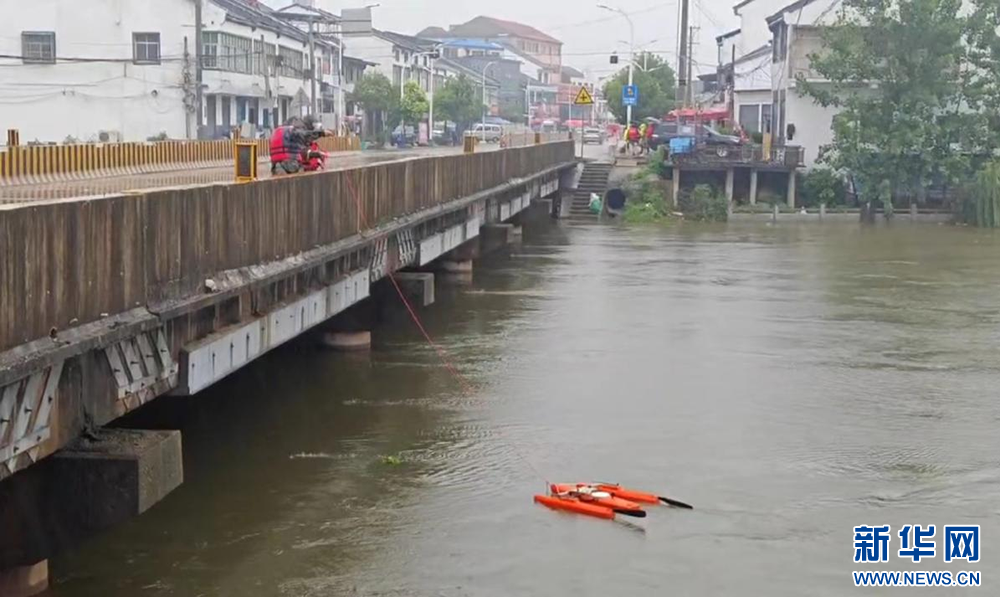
<point>403,58</point>
<point>106,70</point>
<point>759,64</point>
<point>531,45</point>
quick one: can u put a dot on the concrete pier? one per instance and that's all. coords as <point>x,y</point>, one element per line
<point>495,237</point>
<point>417,286</point>
<point>25,581</point>
<point>103,479</point>
<point>348,341</point>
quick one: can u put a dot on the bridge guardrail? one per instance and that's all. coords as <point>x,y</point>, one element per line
<point>68,263</point>
<point>35,164</point>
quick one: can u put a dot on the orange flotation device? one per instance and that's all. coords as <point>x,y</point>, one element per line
<point>602,500</point>
<point>591,495</point>
<point>572,504</point>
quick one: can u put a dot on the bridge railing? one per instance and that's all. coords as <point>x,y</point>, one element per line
<point>66,263</point>
<point>31,164</point>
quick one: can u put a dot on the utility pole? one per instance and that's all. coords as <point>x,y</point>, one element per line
<point>683,58</point>
<point>689,100</point>
<point>340,79</point>
<point>312,70</point>
<point>198,26</point>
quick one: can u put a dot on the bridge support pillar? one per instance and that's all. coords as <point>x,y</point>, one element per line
<point>791,189</point>
<point>101,480</point>
<point>348,341</point>
<point>456,270</point>
<point>417,286</point>
<point>730,187</point>
<point>24,581</point>
<point>677,186</point>
<point>494,237</point>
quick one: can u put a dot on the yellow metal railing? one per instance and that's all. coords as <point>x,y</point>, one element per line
<point>21,164</point>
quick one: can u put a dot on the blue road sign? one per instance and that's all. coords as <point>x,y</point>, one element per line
<point>630,95</point>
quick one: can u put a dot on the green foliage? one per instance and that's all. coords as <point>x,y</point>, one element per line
<point>986,197</point>
<point>645,200</point>
<point>704,204</point>
<point>460,101</point>
<point>375,93</point>
<point>657,89</point>
<point>982,83</point>
<point>899,72</point>
<point>822,185</point>
<point>379,98</point>
<point>391,460</point>
<point>757,138</point>
<point>657,164</point>
<point>414,105</point>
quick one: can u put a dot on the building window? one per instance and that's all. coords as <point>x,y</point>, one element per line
<point>291,62</point>
<point>38,47</point>
<point>209,50</point>
<point>750,118</point>
<point>146,48</point>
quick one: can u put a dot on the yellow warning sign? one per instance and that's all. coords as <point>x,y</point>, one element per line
<point>584,98</point>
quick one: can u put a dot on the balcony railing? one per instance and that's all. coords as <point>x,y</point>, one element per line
<point>788,156</point>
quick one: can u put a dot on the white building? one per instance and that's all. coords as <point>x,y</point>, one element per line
<point>117,70</point>
<point>770,49</point>
<point>796,33</point>
<point>100,69</point>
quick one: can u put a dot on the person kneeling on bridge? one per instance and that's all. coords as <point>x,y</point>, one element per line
<point>292,146</point>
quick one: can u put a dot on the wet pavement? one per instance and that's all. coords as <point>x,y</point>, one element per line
<point>790,381</point>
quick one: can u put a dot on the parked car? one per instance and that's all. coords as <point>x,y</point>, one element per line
<point>593,135</point>
<point>489,133</point>
<point>714,137</point>
<point>398,137</point>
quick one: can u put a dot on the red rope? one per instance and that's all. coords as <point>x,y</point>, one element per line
<point>467,386</point>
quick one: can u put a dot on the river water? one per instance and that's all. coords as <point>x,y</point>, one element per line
<point>790,381</point>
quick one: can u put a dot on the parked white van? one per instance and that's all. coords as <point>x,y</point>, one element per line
<point>489,133</point>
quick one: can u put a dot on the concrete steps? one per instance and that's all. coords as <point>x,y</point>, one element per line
<point>593,180</point>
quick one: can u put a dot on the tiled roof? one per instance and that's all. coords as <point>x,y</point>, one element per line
<point>490,27</point>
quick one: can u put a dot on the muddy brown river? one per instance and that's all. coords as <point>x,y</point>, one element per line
<point>790,381</point>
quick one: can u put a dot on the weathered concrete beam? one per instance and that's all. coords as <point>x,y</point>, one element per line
<point>96,482</point>
<point>417,286</point>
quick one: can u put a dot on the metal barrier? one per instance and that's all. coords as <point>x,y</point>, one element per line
<point>34,164</point>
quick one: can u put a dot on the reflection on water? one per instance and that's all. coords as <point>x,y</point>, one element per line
<point>790,381</point>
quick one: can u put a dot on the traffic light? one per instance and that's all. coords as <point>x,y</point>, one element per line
<point>614,59</point>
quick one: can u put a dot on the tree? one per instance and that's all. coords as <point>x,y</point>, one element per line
<point>460,101</point>
<point>657,88</point>
<point>414,105</point>
<point>377,96</point>
<point>982,81</point>
<point>895,69</point>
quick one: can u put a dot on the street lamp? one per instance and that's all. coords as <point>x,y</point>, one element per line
<point>434,54</point>
<point>631,52</point>
<point>485,68</point>
<point>642,47</point>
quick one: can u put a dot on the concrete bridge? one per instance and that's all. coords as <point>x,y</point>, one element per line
<point>110,302</point>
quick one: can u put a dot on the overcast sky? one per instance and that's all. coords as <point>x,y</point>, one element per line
<point>589,34</point>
